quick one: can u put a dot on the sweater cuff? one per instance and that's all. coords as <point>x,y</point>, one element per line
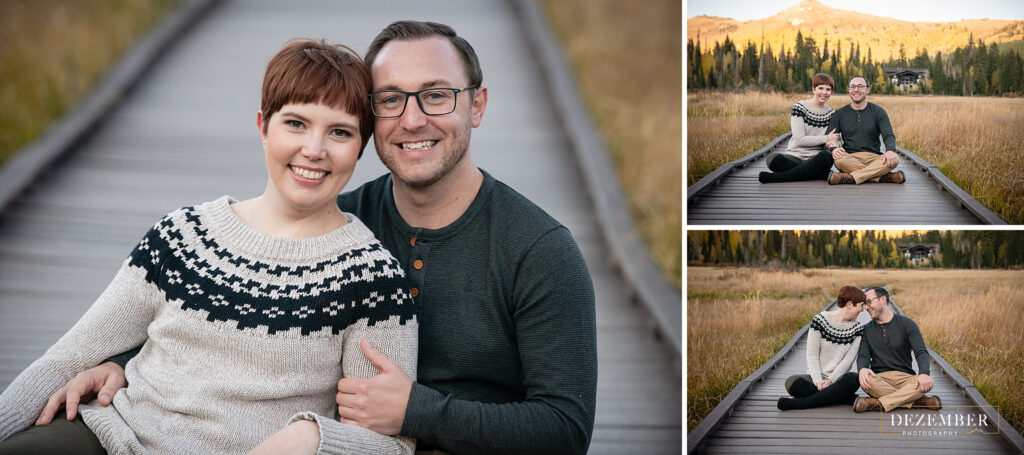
<point>421,412</point>
<point>339,438</point>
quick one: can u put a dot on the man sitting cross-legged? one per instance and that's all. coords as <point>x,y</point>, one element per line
<point>884,360</point>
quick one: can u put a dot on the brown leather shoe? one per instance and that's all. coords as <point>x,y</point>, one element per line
<point>862,404</point>
<point>931,402</point>
<point>893,177</point>
<point>837,178</point>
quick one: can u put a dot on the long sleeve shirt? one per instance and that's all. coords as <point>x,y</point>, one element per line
<point>888,347</point>
<point>507,330</point>
<point>240,333</point>
<point>831,347</point>
<point>860,129</point>
<point>808,126</point>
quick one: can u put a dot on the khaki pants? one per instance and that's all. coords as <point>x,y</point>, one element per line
<point>895,389</point>
<point>863,166</point>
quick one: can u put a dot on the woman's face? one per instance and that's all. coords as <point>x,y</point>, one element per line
<point>853,309</point>
<point>822,92</point>
<point>311,151</point>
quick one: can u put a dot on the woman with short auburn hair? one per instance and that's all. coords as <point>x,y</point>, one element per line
<point>805,158</point>
<point>247,312</point>
<point>832,344</point>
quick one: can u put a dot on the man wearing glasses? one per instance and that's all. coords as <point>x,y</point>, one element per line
<point>857,154</point>
<point>884,360</point>
<point>507,336</point>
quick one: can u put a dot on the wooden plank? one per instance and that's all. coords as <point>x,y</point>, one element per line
<point>928,197</point>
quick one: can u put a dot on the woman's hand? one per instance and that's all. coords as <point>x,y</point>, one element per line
<point>299,437</point>
<point>103,380</point>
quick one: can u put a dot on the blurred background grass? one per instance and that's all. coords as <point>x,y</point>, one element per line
<point>627,58</point>
<point>54,51</point>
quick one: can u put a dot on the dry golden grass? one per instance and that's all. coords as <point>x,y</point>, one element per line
<point>628,63</point>
<point>54,51</point>
<point>737,318</point>
<point>969,139</point>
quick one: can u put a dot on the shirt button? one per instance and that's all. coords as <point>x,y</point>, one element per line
<point>414,292</point>
<point>412,241</point>
<point>417,264</point>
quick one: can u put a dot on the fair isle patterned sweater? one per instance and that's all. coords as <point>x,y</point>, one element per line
<point>243,332</point>
<point>808,125</point>
<point>831,347</point>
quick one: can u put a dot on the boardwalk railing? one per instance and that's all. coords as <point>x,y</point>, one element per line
<point>24,168</point>
<point>698,438</point>
<point>732,194</point>
<point>651,290</point>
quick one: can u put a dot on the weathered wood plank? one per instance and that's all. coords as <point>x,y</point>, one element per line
<point>733,195</point>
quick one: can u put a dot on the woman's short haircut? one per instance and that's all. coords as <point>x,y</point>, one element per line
<point>850,294</point>
<point>823,79</point>
<point>307,71</point>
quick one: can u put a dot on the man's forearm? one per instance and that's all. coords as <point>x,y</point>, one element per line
<point>464,426</point>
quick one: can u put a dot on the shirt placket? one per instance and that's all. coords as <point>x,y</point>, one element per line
<point>418,255</point>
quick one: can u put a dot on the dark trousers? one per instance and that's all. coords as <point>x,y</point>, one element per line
<point>789,169</point>
<point>842,391</point>
<point>56,438</point>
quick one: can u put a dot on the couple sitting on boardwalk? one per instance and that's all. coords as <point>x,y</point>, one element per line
<point>851,141</point>
<point>883,349</point>
<point>432,309</point>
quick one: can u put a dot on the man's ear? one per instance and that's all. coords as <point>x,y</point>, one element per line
<point>479,105</point>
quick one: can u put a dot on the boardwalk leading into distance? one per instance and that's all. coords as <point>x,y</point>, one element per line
<point>748,421</point>
<point>187,134</point>
<point>733,195</point>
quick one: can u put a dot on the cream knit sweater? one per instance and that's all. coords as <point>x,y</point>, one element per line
<point>831,347</point>
<point>242,333</point>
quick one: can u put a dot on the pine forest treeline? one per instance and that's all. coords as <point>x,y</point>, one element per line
<point>869,249</point>
<point>977,69</point>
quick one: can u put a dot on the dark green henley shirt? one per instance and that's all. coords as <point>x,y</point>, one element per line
<point>861,129</point>
<point>508,350</point>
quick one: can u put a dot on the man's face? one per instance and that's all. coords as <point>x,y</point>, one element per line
<point>874,304</point>
<point>421,149</point>
<point>858,89</point>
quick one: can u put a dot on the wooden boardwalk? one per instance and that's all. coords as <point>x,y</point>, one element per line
<point>748,421</point>
<point>733,195</point>
<point>187,134</point>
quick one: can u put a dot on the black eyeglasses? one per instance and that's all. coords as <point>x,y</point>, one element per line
<point>432,101</point>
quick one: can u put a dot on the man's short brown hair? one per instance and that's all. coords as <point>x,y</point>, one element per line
<point>416,30</point>
<point>850,294</point>
<point>306,71</point>
<point>823,79</point>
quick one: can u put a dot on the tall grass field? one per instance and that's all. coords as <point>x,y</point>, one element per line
<point>738,318</point>
<point>53,52</point>
<point>973,141</point>
<point>627,61</point>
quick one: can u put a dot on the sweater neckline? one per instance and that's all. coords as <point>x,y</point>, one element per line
<point>822,110</point>
<point>837,324</point>
<point>237,235</point>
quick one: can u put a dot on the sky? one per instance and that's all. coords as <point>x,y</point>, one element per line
<point>908,10</point>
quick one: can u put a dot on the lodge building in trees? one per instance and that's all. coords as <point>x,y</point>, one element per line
<point>906,78</point>
<point>917,253</point>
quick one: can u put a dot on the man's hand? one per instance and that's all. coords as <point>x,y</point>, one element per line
<point>865,378</point>
<point>103,380</point>
<point>838,153</point>
<point>891,159</point>
<point>924,383</point>
<point>832,136</point>
<point>299,437</point>
<point>377,403</point>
